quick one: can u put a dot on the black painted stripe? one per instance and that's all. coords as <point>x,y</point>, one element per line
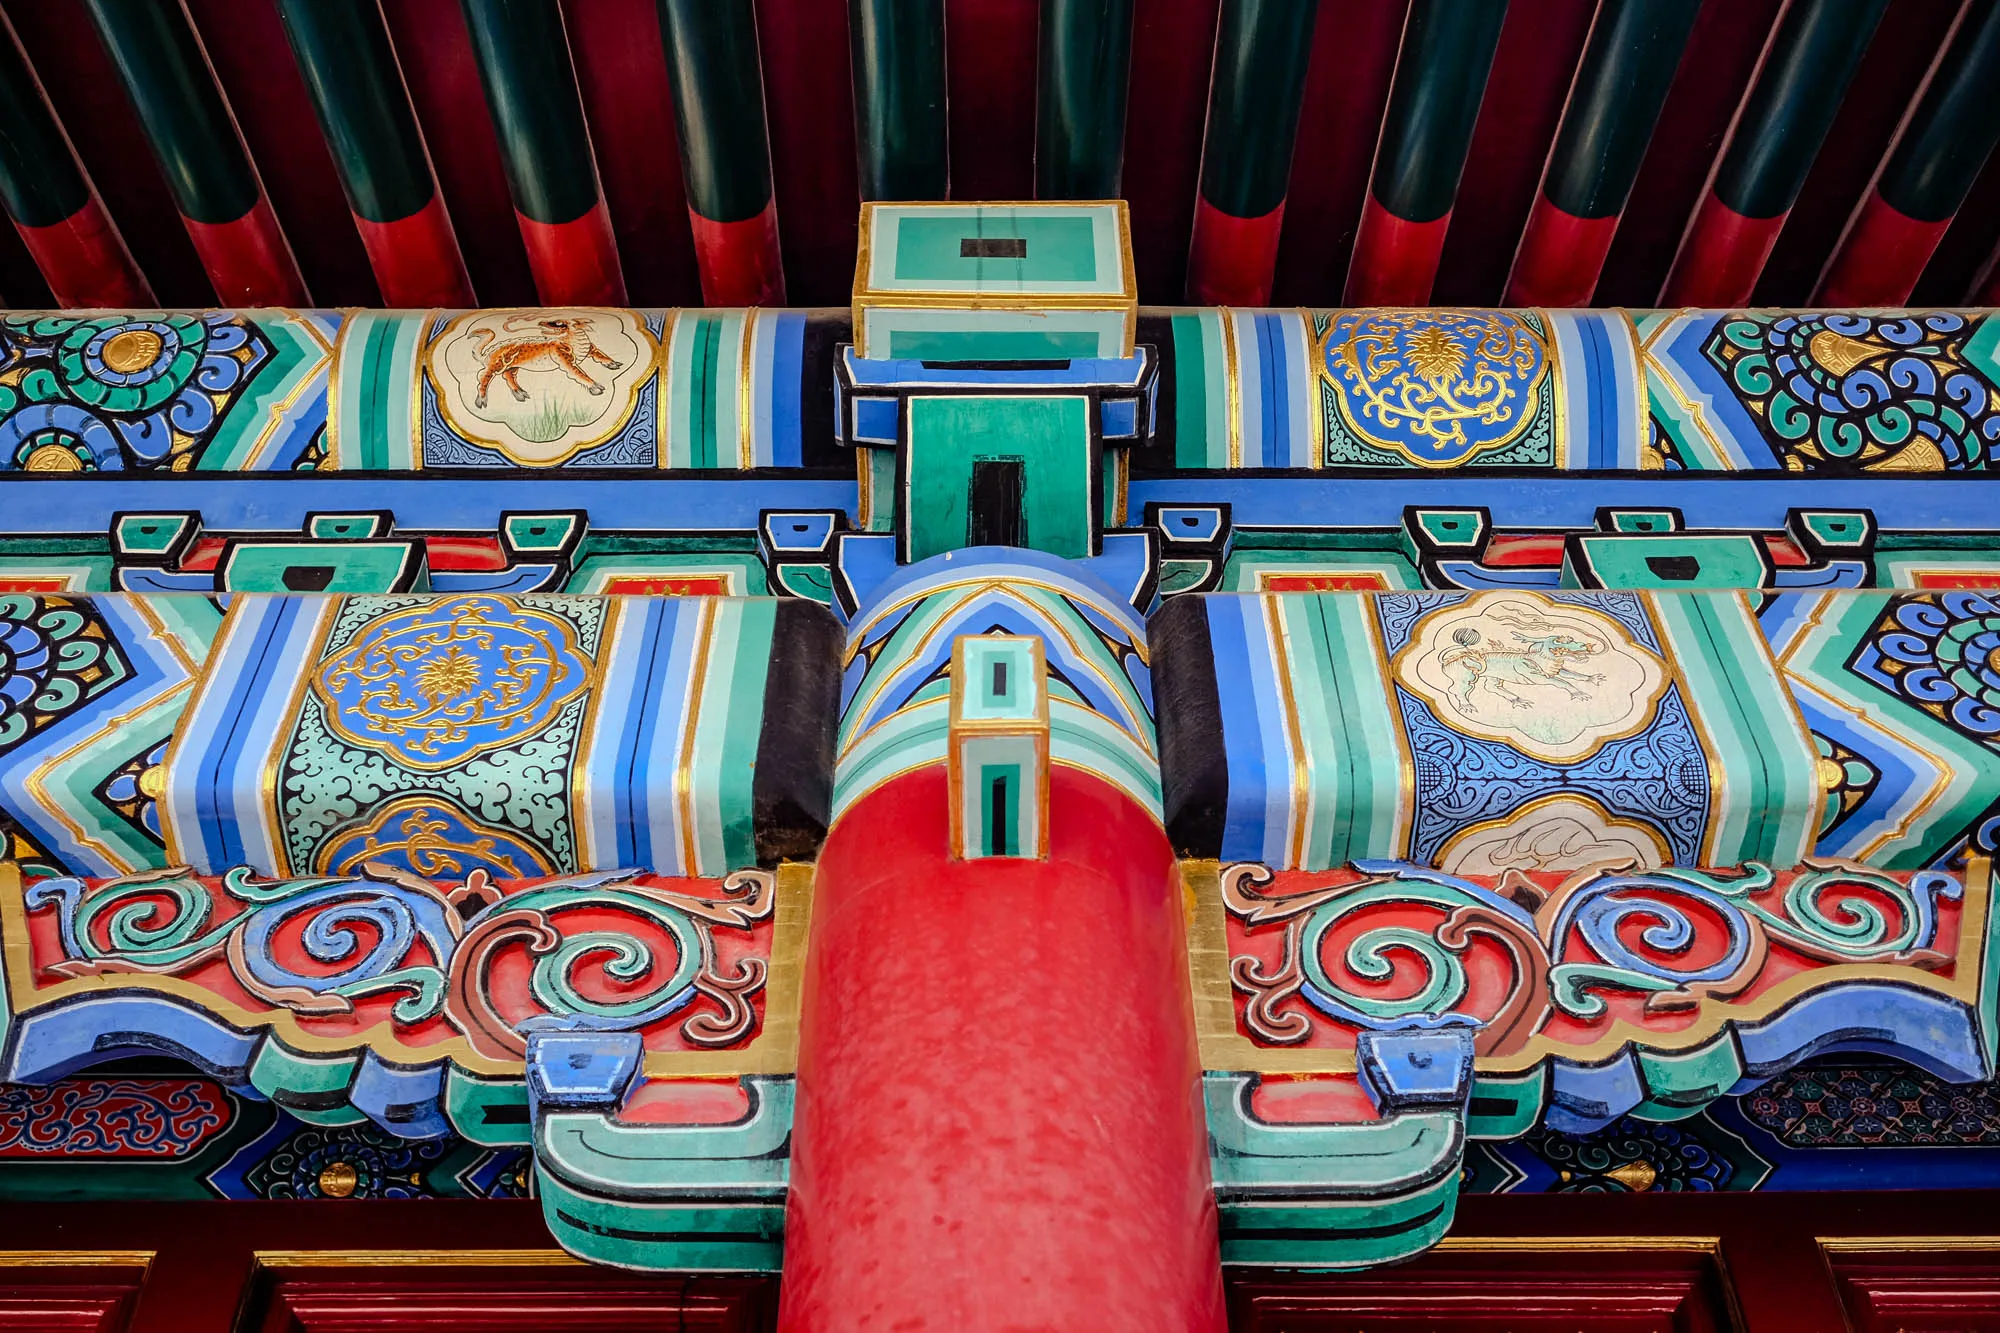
<point>1194,768</point>
<point>1812,59</point>
<point>40,181</point>
<point>897,49</point>
<point>791,794</point>
<point>1085,73</point>
<point>1955,126</point>
<point>1261,51</point>
<point>718,87</point>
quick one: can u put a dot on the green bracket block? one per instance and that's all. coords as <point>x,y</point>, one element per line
<point>665,1197</point>
<point>309,1087</point>
<point>329,566</point>
<point>1329,1196</point>
<point>1049,440</point>
<point>1669,561</point>
<point>492,1112</point>
<point>1506,1106</point>
<point>1680,1083</point>
<point>349,527</point>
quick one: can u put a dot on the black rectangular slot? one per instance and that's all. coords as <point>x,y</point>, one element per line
<point>993,247</point>
<point>997,832</point>
<point>997,485</point>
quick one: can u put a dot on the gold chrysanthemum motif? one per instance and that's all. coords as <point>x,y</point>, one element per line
<point>445,676</point>
<point>1436,355</point>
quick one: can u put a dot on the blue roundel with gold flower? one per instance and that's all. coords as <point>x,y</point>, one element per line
<point>1436,387</point>
<point>437,683</point>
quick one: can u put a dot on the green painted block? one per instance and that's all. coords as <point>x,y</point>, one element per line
<point>972,338</point>
<point>1668,561</point>
<point>150,534</point>
<point>1050,437</point>
<point>995,282</point>
<point>996,249</point>
<point>346,527</point>
<point>1682,1082</point>
<point>532,533</point>
<point>334,567</point>
<point>311,1088</point>
<point>1506,1106</point>
<point>697,1237</point>
<point>492,1112</point>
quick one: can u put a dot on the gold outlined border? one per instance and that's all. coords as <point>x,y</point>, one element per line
<point>647,365</point>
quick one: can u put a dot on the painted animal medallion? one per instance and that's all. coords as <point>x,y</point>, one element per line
<point>1552,679</point>
<point>541,385</point>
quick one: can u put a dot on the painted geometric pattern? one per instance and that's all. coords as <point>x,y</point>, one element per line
<point>1501,730</point>
<point>438,735</point>
<point>219,391</point>
<point>1823,391</point>
<point>895,697</point>
<point>1901,692</point>
<point>1693,390</point>
<point>1689,390</point>
<point>273,391</point>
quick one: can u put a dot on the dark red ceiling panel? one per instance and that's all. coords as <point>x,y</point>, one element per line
<point>1173,45</point>
<point>810,106</point>
<point>1532,72</point>
<point>621,66</point>
<point>1347,85</point>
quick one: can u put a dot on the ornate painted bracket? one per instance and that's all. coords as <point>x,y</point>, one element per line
<point>459,1008</point>
<point>1361,1024</point>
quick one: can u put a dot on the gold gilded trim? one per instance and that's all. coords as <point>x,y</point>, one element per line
<point>1710,1245</point>
<point>417,1259</point>
<point>77,1258</point>
<point>1832,1245</point>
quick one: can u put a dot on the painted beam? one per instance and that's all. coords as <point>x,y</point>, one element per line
<point>182,112</point>
<point>1628,65</point>
<point>349,66</point>
<point>1254,97</point>
<point>1441,72</point>
<point>1085,75</point>
<point>718,86</point>
<point>50,199</point>
<point>522,50</point>
<point>897,49</point>
<point>1927,173</point>
<point>1811,57</point>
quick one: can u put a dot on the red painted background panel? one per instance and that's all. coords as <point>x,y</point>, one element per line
<point>1347,85</point>
<point>809,106</point>
<point>1532,70</point>
<point>990,50</point>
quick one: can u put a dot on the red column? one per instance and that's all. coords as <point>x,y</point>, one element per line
<point>998,1123</point>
